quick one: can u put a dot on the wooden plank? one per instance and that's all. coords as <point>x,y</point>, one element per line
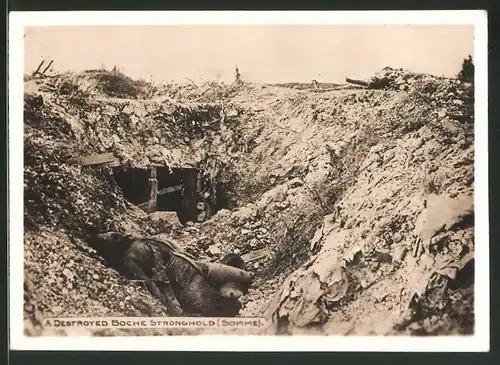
<point>101,158</point>
<point>149,206</point>
<point>255,255</point>
<point>170,189</point>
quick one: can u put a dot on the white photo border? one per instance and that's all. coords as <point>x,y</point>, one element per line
<point>479,342</point>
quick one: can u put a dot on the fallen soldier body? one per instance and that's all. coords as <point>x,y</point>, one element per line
<point>184,285</point>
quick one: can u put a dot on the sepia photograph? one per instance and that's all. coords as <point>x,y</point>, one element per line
<point>250,179</point>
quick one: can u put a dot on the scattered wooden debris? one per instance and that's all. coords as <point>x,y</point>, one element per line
<point>37,71</point>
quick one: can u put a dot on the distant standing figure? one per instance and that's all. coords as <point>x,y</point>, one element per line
<point>238,76</point>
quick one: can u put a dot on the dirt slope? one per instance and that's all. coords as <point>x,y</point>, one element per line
<point>362,199</point>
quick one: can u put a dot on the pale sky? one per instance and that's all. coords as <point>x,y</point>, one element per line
<point>266,54</point>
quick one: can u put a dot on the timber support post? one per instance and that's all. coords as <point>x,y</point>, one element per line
<point>153,187</point>
<point>189,199</point>
<point>151,205</point>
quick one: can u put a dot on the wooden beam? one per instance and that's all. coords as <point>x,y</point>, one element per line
<point>38,68</point>
<point>153,189</point>
<point>149,206</point>
<point>46,68</point>
<point>96,159</point>
<point>115,163</point>
<point>152,172</point>
<point>170,189</point>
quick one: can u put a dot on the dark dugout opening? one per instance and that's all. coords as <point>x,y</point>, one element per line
<point>134,184</point>
<point>223,198</point>
<point>171,200</point>
<point>178,190</point>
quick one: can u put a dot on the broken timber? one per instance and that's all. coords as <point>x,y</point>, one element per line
<point>153,191</point>
<point>108,159</point>
<point>356,82</point>
<point>170,189</point>
<point>149,206</point>
<point>38,68</point>
<point>46,68</point>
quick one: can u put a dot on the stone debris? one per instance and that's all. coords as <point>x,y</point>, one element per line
<point>170,218</point>
<point>214,250</point>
